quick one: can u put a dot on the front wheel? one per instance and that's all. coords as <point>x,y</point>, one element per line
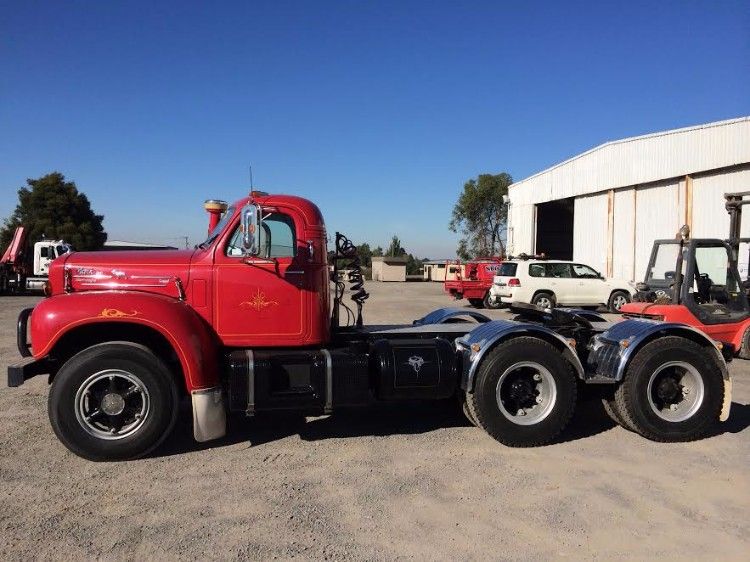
<point>617,300</point>
<point>673,390</point>
<point>113,401</point>
<point>525,393</point>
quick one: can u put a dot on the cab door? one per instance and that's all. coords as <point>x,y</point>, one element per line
<point>592,289</point>
<point>260,300</point>
<point>561,281</point>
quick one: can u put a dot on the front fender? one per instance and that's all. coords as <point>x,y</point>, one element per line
<point>612,351</point>
<point>479,341</point>
<point>190,337</point>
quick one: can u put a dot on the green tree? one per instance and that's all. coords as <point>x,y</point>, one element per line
<point>414,265</point>
<point>395,249</point>
<point>480,215</point>
<point>378,252</point>
<point>365,254</point>
<point>52,207</point>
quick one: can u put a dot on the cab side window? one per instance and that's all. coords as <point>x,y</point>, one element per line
<point>277,238</point>
<point>559,270</point>
<point>537,270</point>
<point>584,271</point>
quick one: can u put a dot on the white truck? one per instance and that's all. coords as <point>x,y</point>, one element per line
<point>17,273</point>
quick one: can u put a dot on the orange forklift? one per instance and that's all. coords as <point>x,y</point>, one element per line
<point>696,281</point>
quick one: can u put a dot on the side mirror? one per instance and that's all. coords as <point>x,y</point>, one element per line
<point>251,219</point>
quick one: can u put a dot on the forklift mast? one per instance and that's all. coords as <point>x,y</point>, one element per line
<point>733,204</point>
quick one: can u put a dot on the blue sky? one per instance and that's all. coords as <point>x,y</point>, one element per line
<point>376,111</point>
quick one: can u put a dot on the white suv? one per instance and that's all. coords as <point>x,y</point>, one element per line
<point>549,283</point>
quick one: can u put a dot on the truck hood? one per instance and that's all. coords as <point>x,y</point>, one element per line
<point>157,271</point>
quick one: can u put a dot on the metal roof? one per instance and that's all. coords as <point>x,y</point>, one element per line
<point>639,160</point>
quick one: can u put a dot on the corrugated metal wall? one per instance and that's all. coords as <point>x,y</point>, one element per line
<point>589,223</point>
<point>656,216</point>
<point>623,235</point>
<point>641,215</point>
<point>521,229</point>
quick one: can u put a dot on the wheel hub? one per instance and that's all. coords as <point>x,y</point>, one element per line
<point>526,393</point>
<point>113,404</point>
<point>669,391</point>
<point>522,391</point>
<point>675,391</point>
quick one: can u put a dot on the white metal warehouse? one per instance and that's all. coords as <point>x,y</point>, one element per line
<point>605,207</point>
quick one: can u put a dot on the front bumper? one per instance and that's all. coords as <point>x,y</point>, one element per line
<point>26,369</point>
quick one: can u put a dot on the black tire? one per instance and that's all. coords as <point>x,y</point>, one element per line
<point>153,407</point>
<point>616,300</point>
<point>485,408</point>
<point>465,409</point>
<point>488,303</point>
<point>476,303</point>
<point>632,394</point>
<point>610,407</point>
<point>744,352</point>
<point>542,297</point>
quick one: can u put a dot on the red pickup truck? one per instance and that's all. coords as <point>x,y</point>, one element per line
<point>474,284</point>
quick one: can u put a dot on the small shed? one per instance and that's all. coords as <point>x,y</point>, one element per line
<point>441,270</point>
<point>388,268</point>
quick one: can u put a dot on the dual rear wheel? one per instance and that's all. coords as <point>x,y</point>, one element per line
<point>672,391</point>
<point>524,394</point>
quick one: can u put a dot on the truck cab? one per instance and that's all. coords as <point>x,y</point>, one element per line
<point>45,251</point>
<point>473,281</point>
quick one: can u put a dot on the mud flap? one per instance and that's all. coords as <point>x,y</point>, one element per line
<point>727,405</point>
<point>209,414</point>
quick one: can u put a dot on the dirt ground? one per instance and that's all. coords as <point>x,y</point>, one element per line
<point>388,483</point>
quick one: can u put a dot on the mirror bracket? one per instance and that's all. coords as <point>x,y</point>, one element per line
<point>251,220</point>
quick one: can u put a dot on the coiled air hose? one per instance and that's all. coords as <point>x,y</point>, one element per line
<point>346,250</point>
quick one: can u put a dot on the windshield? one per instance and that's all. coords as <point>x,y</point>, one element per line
<point>228,214</point>
<point>507,269</point>
<point>664,261</point>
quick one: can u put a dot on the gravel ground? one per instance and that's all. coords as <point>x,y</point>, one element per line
<point>388,483</point>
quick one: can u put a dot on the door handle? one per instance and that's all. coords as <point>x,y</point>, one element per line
<point>288,272</point>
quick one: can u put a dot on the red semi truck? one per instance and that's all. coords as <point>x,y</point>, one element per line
<point>244,323</point>
<point>475,282</point>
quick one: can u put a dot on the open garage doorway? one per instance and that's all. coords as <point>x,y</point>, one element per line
<point>554,229</point>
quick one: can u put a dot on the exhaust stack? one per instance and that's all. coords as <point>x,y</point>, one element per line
<point>215,208</point>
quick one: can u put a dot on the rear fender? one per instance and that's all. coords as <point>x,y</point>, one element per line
<point>444,315</point>
<point>189,336</point>
<point>613,350</point>
<point>477,343</point>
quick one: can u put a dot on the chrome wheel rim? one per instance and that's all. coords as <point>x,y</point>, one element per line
<point>112,404</point>
<point>544,302</point>
<point>675,391</point>
<point>526,393</point>
<point>618,301</point>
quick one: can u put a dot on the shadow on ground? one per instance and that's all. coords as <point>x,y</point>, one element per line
<point>379,420</point>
